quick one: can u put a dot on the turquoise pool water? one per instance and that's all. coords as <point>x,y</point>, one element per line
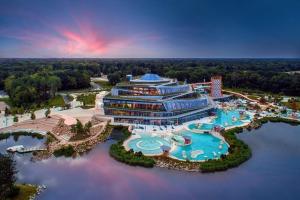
<point>223,118</point>
<point>203,146</point>
<point>148,145</point>
<point>209,146</point>
<point>205,127</point>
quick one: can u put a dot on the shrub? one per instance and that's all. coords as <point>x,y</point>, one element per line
<point>277,119</point>
<point>4,136</point>
<point>64,151</point>
<point>16,119</point>
<point>118,152</point>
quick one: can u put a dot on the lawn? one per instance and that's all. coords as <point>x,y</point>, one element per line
<point>104,84</point>
<point>291,106</point>
<point>87,99</point>
<point>56,101</point>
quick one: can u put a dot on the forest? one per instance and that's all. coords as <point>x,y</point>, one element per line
<point>30,81</point>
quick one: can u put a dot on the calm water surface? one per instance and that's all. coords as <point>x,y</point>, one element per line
<point>272,173</point>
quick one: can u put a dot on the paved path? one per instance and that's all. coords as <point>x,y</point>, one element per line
<point>240,95</point>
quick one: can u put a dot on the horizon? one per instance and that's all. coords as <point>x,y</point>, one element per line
<point>149,58</point>
<point>149,29</point>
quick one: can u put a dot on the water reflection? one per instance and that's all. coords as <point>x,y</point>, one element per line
<point>273,172</point>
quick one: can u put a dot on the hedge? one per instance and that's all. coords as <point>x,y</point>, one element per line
<point>118,152</point>
<point>67,151</point>
<point>4,136</point>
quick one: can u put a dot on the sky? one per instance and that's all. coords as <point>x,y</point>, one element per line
<point>150,29</point>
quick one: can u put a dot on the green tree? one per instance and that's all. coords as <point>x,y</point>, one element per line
<point>7,177</point>
<point>21,110</point>
<point>114,78</point>
<point>16,119</point>
<point>7,111</point>
<point>87,127</point>
<point>32,116</point>
<point>47,113</point>
<point>79,128</point>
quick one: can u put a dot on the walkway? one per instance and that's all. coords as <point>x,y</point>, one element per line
<point>241,95</point>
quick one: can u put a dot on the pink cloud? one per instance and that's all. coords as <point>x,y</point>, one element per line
<point>83,39</point>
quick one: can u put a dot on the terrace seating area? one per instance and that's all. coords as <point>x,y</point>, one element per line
<point>42,125</point>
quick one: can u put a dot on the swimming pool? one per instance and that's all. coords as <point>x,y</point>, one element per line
<point>226,118</point>
<point>203,147</point>
<point>148,145</point>
<point>204,126</point>
<point>223,119</point>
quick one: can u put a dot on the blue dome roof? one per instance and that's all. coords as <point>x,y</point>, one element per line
<point>150,77</point>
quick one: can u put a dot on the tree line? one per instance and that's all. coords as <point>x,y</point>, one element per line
<point>36,80</point>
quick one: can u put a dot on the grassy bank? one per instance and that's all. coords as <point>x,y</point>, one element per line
<point>118,152</point>
<point>239,152</point>
<point>276,120</point>
<point>26,191</point>
<point>4,136</point>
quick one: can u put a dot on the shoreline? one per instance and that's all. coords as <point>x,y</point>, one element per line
<point>79,147</point>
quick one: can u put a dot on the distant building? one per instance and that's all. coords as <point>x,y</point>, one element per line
<point>152,99</point>
<point>129,77</point>
<point>216,87</point>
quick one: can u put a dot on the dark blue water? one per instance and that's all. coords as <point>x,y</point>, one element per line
<point>272,173</point>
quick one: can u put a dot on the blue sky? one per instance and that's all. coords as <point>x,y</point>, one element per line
<point>153,28</point>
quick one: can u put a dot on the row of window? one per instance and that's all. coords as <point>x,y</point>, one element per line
<point>174,121</point>
<point>137,106</point>
<point>140,113</point>
<point>173,89</point>
<point>185,104</point>
<point>141,91</point>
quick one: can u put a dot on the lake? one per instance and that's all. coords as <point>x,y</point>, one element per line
<point>273,172</point>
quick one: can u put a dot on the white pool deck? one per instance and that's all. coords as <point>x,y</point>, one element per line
<point>169,130</point>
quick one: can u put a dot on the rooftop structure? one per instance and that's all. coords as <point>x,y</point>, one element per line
<point>150,78</point>
<point>152,99</point>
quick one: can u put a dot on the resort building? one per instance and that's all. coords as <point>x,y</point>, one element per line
<point>151,99</point>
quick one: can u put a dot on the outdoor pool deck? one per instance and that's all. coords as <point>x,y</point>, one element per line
<point>149,139</point>
<point>224,119</point>
<point>203,146</point>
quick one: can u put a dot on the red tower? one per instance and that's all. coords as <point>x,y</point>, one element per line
<point>216,87</point>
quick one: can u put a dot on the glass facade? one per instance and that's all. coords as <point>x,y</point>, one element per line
<point>171,103</point>
<point>169,121</point>
<point>131,104</point>
<point>173,89</point>
<point>185,104</point>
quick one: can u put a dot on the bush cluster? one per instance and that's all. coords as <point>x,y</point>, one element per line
<point>118,152</point>
<point>67,151</point>
<point>4,136</point>
<point>276,120</point>
<point>239,152</point>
